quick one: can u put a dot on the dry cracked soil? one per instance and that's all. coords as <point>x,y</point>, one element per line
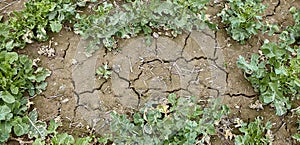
<point>202,64</point>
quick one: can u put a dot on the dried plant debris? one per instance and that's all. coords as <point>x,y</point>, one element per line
<point>48,50</point>
<point>257,105</point>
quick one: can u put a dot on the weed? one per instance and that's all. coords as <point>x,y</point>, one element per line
<point>242,18</point>
<point>103,71</point>
<point>137,17</point>
<point>178,120</point>
<point>32,22</point>
<point>18,77</point>
<point>274,73</point>
<point>255,133</point>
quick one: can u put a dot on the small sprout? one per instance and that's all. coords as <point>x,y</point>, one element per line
<point>103,71</point>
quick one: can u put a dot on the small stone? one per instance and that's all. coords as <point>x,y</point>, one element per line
<point>74,62</point>
<point>35,61</point>
<point>65,100</point>
<point>257,105</point>
<point>155,35</point>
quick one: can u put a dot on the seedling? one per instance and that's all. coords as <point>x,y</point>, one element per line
<point>180,120</point>
<point>255,133</point>
<point>242,18</point>
<point>104,72</point>
<point>275,72</point>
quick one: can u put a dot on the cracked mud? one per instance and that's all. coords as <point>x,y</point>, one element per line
<point>190,65</point>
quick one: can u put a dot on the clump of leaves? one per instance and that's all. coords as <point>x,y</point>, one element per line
<point>296,136</point>
<point>55,138</point>
<point>135,17</point>
<point>18,77</point>
<point>179,120</point>
<point>103,71</point>
<point>242,18</point>
<point>33,22</point>
<point>255,133</point>
<point>275,73</point>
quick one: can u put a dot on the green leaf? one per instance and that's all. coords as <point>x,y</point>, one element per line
<point>4,112</point>
<point>83,141</point>
<point>11,57</point>
<point>296,137</point>
<point>248,67</point>
<point>19,126</point>
<point>37,128</point>
<point>14,90</point>
<point>7,97</point>
<point>56,26</point>
<point>38,142</point>
<point>172,99</point>
<point>52,127</point>
<point>63,139</point>
<point>5,129</point>
<point>41,74</point>
<point>147,128</point>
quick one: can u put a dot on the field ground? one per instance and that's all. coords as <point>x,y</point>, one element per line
<point>198,63</point>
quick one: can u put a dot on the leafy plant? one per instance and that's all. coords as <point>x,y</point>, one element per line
<point>296,136</point>
<point>242,18</point>
<point>275,74</point>
<point>179,120</point>
<point>135,17</point>
<point>54,138</point>
<point>255,133</point>
<point>103,71</point>
<point>18,77</point>
<point>32,22</point>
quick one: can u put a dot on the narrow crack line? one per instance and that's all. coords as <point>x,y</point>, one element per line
<point>78,97</point>
<point>195,81</point>
<point>177,90</point>
<point>205,33</point>
<point>196,58</point>
<point>138,94</point>
<point>94,89</point>
<point>274,10</point>
<point>59,109</point>
<point>222,69</point>
<point>77,106</point>
<point>130,87</point>
<point>211,88</point>
<point>77,103</point>
<point>156,47</point>
<point>158,60</point>
<point>185,43</point>
<point>65,51</point>
<point>149,89</point>
<point>216,44</point>
<point>138,77</point>
<point>278,4</point>
<point>122,78</point>
<point>240,94</point>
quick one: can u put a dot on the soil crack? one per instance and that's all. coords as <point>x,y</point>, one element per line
<point>240,94</point>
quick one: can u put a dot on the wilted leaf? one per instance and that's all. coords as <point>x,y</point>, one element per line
<point>37,129</point>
